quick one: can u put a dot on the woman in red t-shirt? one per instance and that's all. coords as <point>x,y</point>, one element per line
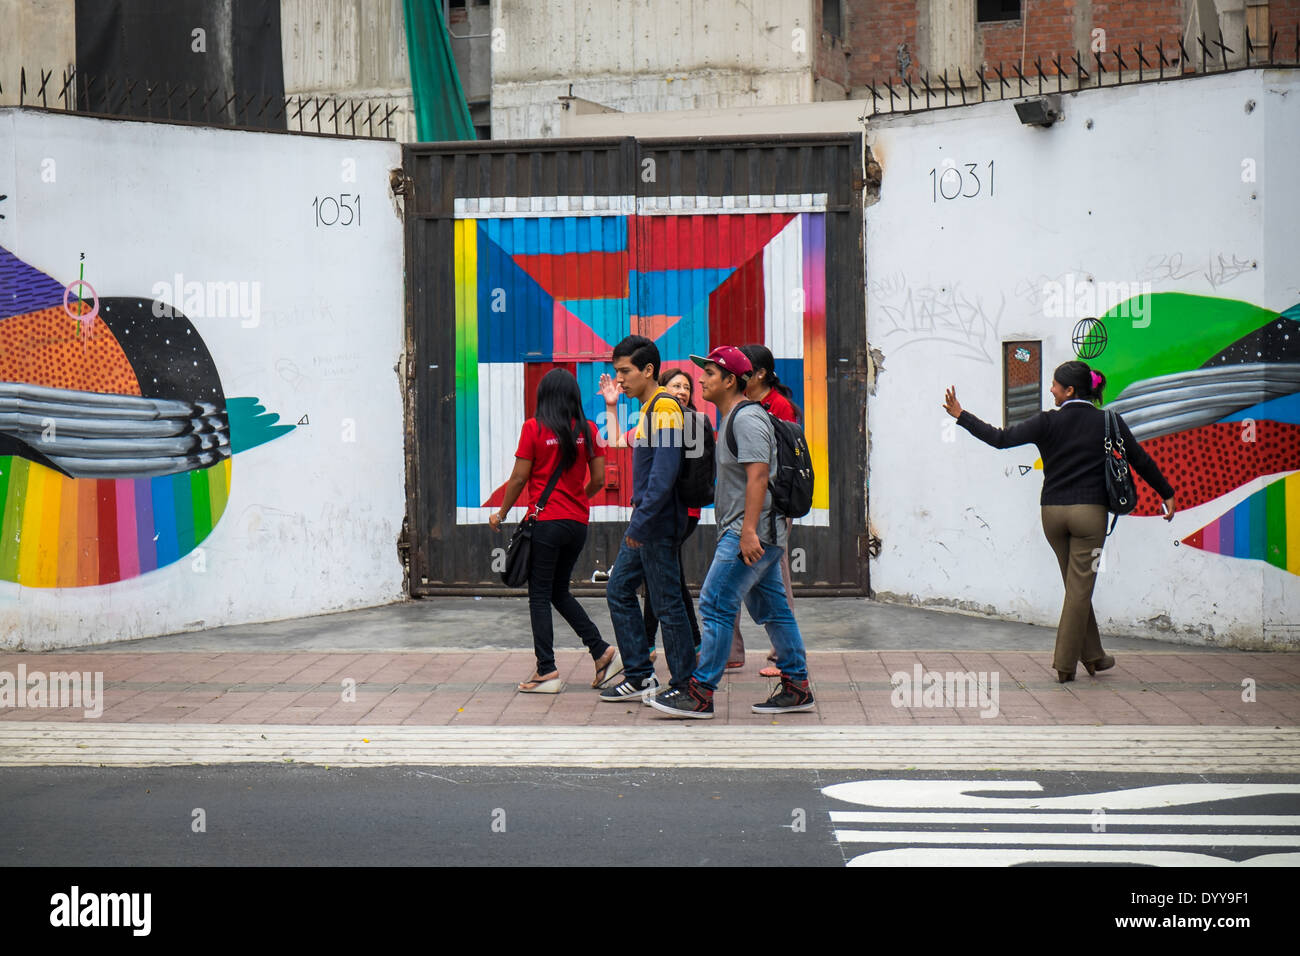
<point>559,437</point>
<point>766,389</point>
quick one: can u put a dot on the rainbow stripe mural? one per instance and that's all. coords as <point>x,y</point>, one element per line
<point>61,532</point>
<point>1263,527</point>
<point>543,291</point>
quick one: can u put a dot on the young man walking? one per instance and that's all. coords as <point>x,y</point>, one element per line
<point>747,563</point>
<point>649,548</point>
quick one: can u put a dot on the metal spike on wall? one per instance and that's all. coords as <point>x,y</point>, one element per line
<point>136,98</point>
<point>1118,66</point>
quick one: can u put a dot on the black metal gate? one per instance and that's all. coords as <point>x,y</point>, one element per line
<point>525,256</point>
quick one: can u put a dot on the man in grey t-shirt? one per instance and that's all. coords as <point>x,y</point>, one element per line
<point>755,442</point>
<point>747,563</point>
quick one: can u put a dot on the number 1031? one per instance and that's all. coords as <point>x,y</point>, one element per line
<point>950,182</point>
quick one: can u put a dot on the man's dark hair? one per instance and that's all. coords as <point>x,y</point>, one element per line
<point>640,350</point>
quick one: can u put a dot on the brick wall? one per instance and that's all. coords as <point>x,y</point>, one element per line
<point>1284,17</point>
<point>875,30</point>
<point>1048,28</point>
<point>1126,23</point>
<point>829,61</point>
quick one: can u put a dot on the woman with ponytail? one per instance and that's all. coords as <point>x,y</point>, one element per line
<point>1074,502</point>
<point>766,389</point>
<point>559,438</point>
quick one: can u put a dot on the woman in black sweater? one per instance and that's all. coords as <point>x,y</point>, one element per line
<point>1070,440</point>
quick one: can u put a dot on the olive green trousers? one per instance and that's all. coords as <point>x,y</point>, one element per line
<point>1077,534</point>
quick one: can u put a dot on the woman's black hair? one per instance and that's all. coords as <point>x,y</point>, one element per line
<point>670,374</point>
<point>760,356</point>
<point>1079,376</point>
<point>559,408</point>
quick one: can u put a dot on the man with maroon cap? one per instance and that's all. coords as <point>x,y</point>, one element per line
<point>747,563</point>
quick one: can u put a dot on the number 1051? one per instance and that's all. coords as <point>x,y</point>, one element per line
<point>343,211</point>
<point>950,182</point>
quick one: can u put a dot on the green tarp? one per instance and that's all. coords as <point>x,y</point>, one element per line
<point>441,112</point>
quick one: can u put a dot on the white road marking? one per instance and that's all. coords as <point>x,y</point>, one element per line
<point>1039,838</point>
<point>960,794</point>
<point>1112,819</point>
<point>1109,809</point>
<point>930,856</point>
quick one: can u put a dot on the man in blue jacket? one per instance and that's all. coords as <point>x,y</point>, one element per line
<point>649,548</point>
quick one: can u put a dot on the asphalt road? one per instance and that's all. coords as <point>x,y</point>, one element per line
<point>280,815</point>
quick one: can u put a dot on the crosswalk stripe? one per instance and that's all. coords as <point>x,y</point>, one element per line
<point>992,838</point>
<point>1111,818</point>
<point>998,856</point>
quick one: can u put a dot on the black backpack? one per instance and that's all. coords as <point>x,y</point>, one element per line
<point>792,485</point>
<point>696,478</point>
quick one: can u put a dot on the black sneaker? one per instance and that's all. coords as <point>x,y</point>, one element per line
<point>695,702</point>
<point>627,690</point>
<point>793,696</point>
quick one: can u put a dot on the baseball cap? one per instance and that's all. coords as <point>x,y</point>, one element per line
<point>729,359</point>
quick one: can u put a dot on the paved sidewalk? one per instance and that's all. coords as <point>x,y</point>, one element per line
<point>853,688</point>
<point>501,623</point>
<point>433,682</point>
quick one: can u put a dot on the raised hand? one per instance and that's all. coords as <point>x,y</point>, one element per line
<point>950,403</point>
<point>609,389</point>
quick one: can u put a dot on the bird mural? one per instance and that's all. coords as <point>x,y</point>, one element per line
<point>116,436</point>
<point>1211,388</point>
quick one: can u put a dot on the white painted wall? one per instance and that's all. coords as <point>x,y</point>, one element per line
<point>312,521</point>
<point>1155,178</point>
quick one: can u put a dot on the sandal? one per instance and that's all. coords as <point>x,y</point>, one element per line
<point>733,665</point>
<point>608,667</point>
<point>542,685</point>
<point>770,671</point>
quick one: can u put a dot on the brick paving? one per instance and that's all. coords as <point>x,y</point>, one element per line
<point>477,688</point>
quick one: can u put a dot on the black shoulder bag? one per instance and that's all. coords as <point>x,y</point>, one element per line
<point>1121,494</point>
<point>519,552</point>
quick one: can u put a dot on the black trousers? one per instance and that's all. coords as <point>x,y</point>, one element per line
<point>555,550</point>
<point>652,622</point>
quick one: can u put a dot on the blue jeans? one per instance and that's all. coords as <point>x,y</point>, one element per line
<point>760,586</point>
<point>655,563</point>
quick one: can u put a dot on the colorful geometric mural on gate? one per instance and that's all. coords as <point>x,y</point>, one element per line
<point>535,293</point>
<point>115,434</point>
<point>1211,388</point>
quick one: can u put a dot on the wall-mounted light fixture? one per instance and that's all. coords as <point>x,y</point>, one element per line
<point>1041,111</point>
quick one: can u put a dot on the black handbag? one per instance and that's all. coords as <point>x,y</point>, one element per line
<point>519,552</point>
<point>1121,493</point>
